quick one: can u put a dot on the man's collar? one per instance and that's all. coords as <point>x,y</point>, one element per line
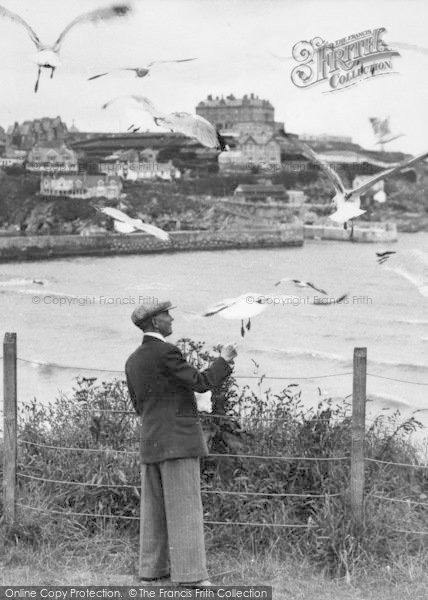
<point>154,334</point>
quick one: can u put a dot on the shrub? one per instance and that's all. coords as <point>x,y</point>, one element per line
<point>294,489</point>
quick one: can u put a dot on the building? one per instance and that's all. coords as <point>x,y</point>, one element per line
<point>133,165</point>
<point>52,158</point>
<point>323,138</point>
<point>25,135</point>
<point>260,192</point>
<point>239,114</point>
<point>81,185</point>
<point>13,158</point>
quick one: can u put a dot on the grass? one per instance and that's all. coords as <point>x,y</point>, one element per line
<point>328,557</point>
<point>108,559</point>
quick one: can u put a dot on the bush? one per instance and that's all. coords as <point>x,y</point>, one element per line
<point>312,494</point>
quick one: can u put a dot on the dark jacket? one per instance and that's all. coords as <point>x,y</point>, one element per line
<point>161,384</point>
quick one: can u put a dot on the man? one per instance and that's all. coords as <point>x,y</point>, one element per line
<point>161,385</point>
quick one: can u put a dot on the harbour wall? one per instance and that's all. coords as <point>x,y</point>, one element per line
<point>362,232</point>
<point>60,246</point>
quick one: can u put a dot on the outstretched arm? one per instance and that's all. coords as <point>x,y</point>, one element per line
<point>199,381</point>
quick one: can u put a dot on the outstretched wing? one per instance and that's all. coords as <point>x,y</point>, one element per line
<point>194,126</point>
<point>331,173</point>
<point>152,230</point>
<point>143,102</point>
<point>4,12</point>
<point>388,172</point>
<point>112,71</point>
<point>158,62</point>
<point>117,214</point>
<point>216,308</point>
<point>100,14</point>
<point>410,264</point>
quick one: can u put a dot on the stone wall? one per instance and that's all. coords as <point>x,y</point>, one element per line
<point>58,246</point>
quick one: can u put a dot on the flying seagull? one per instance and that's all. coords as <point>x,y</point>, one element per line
<point>128,224</point>
<point>47,56</point>
<point>410,264</point>
<point>382,131</point>
<point>249,305</point>
<point>140,71</point>
<point>347,201</point>
<point>301,284</point>
<point>193,126</point>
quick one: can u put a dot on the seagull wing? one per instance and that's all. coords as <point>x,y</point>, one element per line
<point>329,301</point>
<point>99,75</point>
<point>118,215</point>
<point>4,12</point>
<point>94,16</point>
<point>314,287</point>
<point>216,308</point>
<point>388,172</point>
<point>158,62</point>
<point>194,126</point>
<point>112,71</point>
<point>331,173</point>
<point>143,102</point>
<point>412,265</point>
<point>151,229</point>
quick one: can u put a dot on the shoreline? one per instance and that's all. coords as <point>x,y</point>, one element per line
<point>22,248</point>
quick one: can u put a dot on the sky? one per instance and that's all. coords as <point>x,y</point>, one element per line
<point>236,43</point>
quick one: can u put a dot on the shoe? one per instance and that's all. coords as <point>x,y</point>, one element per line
<point>204,583</point>
<point>154,580</point>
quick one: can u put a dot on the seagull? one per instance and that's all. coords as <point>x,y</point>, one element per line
<point>251,304</point>
<point>382,131</point>
<point>141,71</point>
<point>134,224</point>
<point>193,126</point>
<point>47,57</point>
<point>302,284</point>
<point>347,201</point>
<point>410,264</point>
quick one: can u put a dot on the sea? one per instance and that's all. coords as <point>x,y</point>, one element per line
<point>72,318</point>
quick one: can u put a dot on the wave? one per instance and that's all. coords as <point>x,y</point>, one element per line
<point>412,321</point>
<point>393,401</point>
<point>346,362</point>
<point>294,352</point>
<point>16,281</point>
<point>43,292</point>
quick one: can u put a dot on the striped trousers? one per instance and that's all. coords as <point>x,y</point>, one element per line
<point>171,525</point>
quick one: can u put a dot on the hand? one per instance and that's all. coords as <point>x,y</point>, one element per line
<point>229,352</point>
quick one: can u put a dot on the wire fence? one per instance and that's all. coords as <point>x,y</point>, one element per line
<point>325,495</point>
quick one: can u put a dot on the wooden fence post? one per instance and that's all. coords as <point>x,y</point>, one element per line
<point>10,427</point>
<point>358,433</point>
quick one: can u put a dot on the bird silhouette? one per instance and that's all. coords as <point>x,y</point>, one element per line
<point>409,264</point>
<point>193,126</point>
<point>251,304</point>
<point>140,71</point>
<point>300,283</point>
<point>128,224</point>
<point>47,56</point>
<point>347,201</point>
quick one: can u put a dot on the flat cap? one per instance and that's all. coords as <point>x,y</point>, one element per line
<point>145,311</point>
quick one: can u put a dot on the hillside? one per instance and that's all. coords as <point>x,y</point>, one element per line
<point>185,203</point>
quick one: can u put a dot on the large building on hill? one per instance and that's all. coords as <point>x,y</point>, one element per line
<point>25,135</point>
<point>227,113</point>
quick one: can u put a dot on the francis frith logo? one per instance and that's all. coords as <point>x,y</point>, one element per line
<point>342,63</point>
